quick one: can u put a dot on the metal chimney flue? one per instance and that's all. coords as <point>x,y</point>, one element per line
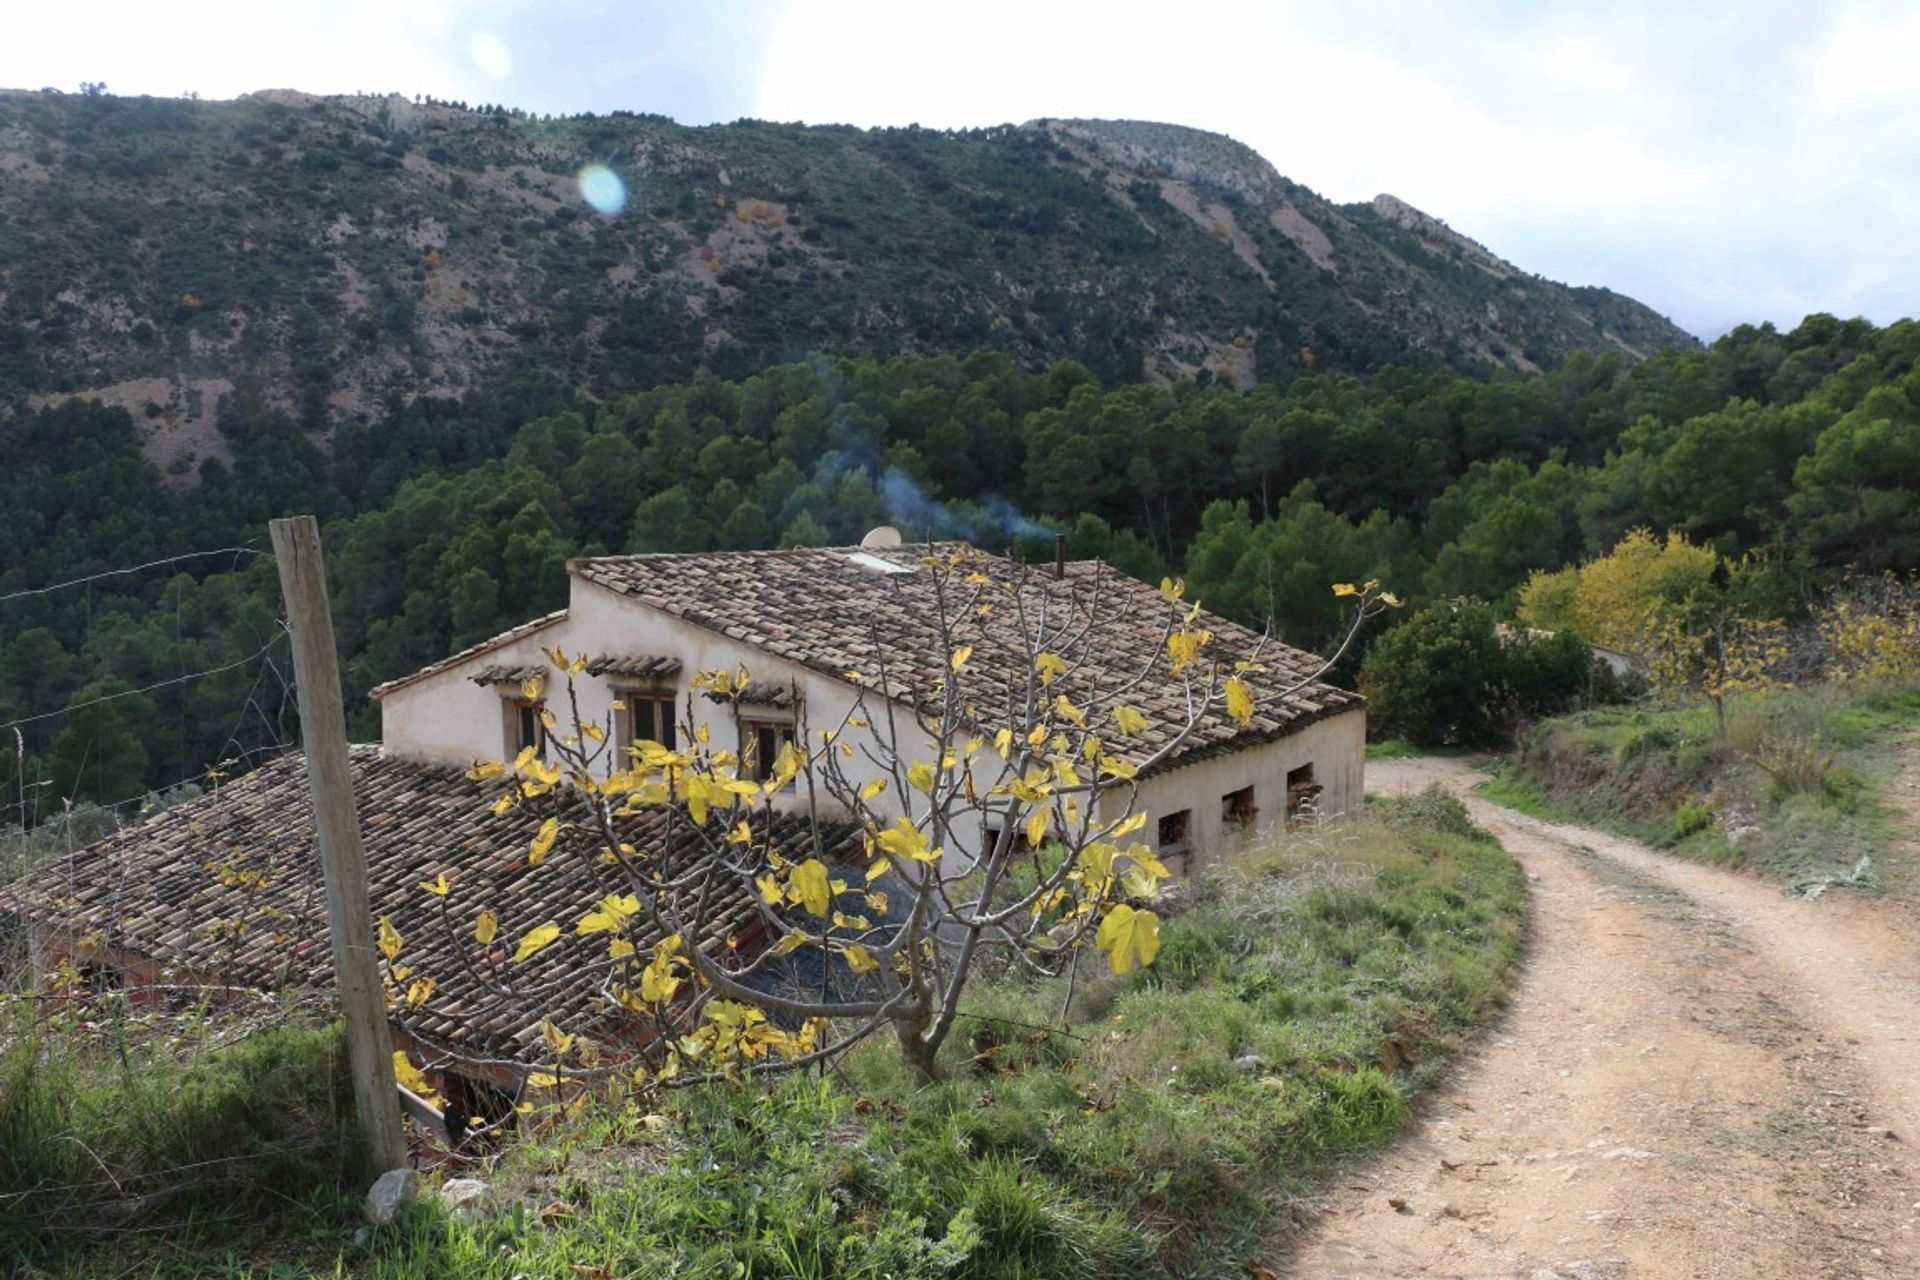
<point>1059,555</point>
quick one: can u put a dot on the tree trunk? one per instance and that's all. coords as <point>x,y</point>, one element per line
<point>915,1050</point>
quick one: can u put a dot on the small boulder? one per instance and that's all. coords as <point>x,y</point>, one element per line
<point>465,1199</point>
<point>394,1188</point>
<point>1249,1064</point>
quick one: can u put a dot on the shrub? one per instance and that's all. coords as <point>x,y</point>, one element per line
<point>1447,677</point>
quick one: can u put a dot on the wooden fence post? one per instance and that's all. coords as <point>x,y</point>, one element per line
<point>323,733</point>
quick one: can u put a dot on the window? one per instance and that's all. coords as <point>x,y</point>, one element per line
<point>1237,808</point>
<point>1301,792</point>
<point>648,717</point>
<point>524,727</point>
<point>1173,832</point>
<point>760,743</point>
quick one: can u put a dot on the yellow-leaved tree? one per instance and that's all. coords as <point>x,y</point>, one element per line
<point>1869,630</point>
<point>1614,599</point>
<point>973,794</point>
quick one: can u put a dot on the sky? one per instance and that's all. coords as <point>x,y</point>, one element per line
<point>1723,163</point>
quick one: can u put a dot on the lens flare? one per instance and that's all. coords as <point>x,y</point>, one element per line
<point>490,54</point>
<point>601,187</point>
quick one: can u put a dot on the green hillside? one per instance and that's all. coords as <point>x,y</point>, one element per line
<point>347,251</point>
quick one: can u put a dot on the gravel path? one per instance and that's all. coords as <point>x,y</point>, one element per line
<point>1696,1077</point>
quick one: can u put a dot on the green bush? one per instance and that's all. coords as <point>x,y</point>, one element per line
<point>1448,677</point>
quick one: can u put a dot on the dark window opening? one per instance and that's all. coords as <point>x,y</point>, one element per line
<point>524,726</point>
<point>98,978</point>
<point>760,744</point>
<point>650,718</point>
<point>1302,791</point>
<point>474,1110</point>
<point>1237,808</point>
<point>1173,831</point>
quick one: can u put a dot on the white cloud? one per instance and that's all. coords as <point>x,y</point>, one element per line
<point>1719,162</point>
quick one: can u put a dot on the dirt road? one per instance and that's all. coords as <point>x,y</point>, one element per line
<point>1697,1077</point>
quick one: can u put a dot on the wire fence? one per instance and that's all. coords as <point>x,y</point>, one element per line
<point>36,825</point>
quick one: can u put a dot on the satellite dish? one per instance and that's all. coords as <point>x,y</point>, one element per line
<point>881,539</point>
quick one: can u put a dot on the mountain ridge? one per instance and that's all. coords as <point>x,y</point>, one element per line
<point>323,255</point>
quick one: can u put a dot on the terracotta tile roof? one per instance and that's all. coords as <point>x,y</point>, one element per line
<point>500,673</point>
<point>179,889</point>
<point>472,651</point>
<point>635,666</point>
<point>838,609</point>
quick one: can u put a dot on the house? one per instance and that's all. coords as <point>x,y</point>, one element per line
<point>811,626</point>
<point>225,891</point>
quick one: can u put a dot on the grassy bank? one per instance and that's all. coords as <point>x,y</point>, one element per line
<point>122,1134</point>
<point>1789,789</point>
<point>1170,1126</point>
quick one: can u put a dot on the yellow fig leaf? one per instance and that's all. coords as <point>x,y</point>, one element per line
<point>920,777</point>
<point>808,885</point>
<point>1130,938</point>
<point>407,1074</point>
<point>1130,721</point>
<point>1050,666</point>
<point>1003,742</point>
<point>859,959</point>
<point>1345,589</point>
<point>542,1079</point>
<point>904,840</point>
<point>1037,827</point>
<point>420,992</point>
<point>484,770</point>
<point>438,886</point>
<point>873,788</point>
<point>486,928</point>
<point>960,656</point>
<point>535,942</point>
<point>877,868</point>
<point>532,687</point>
<point>770,891</point>
<point>389,939</point>
<point>1172,588</point>
<point>790,944</point>
<point>1240,701</point>
<point>543,842</point>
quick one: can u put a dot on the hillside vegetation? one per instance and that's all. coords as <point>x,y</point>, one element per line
<point>344,251</point>
<point>451,519</point>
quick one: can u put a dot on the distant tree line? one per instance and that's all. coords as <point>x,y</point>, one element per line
<point>1795,454</point>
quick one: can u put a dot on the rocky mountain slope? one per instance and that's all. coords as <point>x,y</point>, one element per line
<point>328,254</point>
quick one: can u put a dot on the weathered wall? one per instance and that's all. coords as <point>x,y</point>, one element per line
<point>1336,748</point>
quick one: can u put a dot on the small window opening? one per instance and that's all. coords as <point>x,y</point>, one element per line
<point>1302,792</point>
<point>760,744</point>
<point>1174,829</point>
<point>1237,808</point>
<point>473,1108</point>
<point>524,726</point>
<point>649,717</point>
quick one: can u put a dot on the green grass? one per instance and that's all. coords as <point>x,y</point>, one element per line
<point>1126,1142</point>
<point>1393,749</point>
<point>149,1127</point>
<point>1790,790</point>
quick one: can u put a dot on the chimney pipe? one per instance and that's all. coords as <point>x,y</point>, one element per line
<point>1059,555</point>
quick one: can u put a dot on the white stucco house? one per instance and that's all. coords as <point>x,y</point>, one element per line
<point>799,621</point>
